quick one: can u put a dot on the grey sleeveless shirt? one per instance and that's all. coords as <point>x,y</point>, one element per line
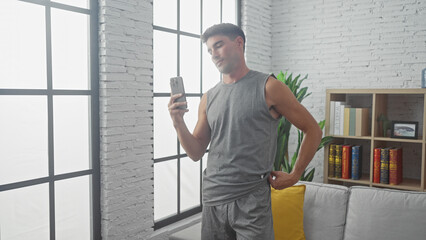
<point>243,139</point>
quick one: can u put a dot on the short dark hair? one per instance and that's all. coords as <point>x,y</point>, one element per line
<point>227,29</point>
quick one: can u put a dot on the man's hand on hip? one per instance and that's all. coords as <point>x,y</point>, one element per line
<point>280,180</point>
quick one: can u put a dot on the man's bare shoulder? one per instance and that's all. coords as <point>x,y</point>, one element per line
<point>276,89</point>
<point>203,104</point>
<point>273,82</point>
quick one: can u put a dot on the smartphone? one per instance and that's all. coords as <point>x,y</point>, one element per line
<point>176,84</point>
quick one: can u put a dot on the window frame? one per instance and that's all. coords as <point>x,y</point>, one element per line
<point>92,93</point>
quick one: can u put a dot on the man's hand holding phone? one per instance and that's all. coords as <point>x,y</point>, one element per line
<point>174,104</point>
<point>177,104</point>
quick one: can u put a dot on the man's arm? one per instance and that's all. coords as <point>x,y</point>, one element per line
<point>280,97</point>
<point>195,144</point>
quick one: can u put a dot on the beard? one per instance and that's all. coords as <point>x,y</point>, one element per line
<point>227,66</point>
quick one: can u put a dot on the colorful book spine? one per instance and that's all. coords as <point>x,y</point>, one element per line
<point>356,162</point>
<point>338,162</point>
<point>346,161</point>
<point>352,121</point>
<point>400,165</point>
<point>346,121</point>
<point>376,165</point>
<point>384,166</point>
<point>395,166</point>
<point>331,157</point>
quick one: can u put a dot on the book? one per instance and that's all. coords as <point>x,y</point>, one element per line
<point>342,118</point>
<point>332,117</point>
<point>337,114</point>
<point>331,157</point>
<point>395,166</point>
<point>356,162</point>
<point>400,165</point>
<point>352,121</point>
<point>361,122</point>
<point>384,165</point>
<point>376,165</point>
<point>346,121</point>
<point>346,161</point>
<point>338,162</point>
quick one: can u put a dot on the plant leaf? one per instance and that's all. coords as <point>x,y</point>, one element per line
<point>288,80</point>
<point>324,141</point>
<point>321,124</point>
<point>281,76</point>
<point>293,159</point>
<point>309,177</point>
<point>286,167</point>
<point>302,94</point>
<point>292,85</point>
<point>299,141</point>
<point>301,80</point>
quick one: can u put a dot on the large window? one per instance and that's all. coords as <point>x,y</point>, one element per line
<point>178,51</point>
<point>49,131</point>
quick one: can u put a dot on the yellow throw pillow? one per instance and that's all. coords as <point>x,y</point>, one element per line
<point>287,212</point>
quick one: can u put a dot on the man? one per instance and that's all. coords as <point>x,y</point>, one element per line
<point>239,118</point>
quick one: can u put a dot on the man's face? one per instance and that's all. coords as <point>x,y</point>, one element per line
<point>225,53</point>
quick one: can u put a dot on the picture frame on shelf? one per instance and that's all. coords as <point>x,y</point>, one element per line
<point>404,129</point>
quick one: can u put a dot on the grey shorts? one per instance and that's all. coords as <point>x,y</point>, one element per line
<point>249,217</point>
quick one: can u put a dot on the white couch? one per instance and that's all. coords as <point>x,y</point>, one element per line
<point>333,212</point>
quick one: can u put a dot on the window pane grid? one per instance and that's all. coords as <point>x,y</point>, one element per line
<point>89,119</point>
<point>185,34</point>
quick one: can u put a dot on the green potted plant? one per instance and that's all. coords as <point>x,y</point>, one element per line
<point>282,161</point>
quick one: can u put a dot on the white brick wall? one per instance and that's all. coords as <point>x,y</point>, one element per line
<point>256,24</point>
<point>125,39</point>
<point>349,44</point>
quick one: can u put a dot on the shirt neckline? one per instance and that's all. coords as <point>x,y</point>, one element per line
<point>241,79</point>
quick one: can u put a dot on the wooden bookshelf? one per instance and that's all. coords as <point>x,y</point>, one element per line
<point>397,105</point>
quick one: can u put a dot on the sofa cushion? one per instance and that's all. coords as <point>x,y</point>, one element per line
<point>385,214</point>
<point>324,211</point>
<point>287,212</point>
